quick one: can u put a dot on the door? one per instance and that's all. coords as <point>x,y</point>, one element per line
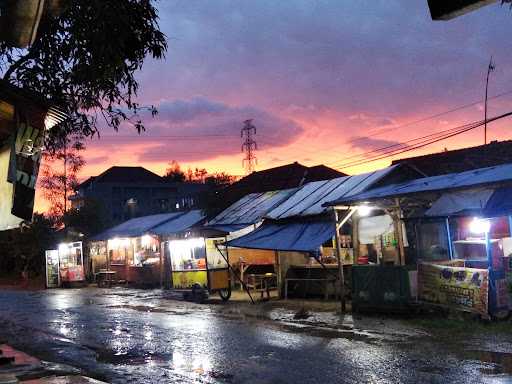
<point>52,268</point>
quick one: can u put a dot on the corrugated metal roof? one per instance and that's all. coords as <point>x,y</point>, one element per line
<point>137,226</point>
<point>178,224</point>
<point>309,199</point>
<point>251,208</point>
<point>468,179</point>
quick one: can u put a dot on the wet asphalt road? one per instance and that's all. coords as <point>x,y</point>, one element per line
<point>130,336</point>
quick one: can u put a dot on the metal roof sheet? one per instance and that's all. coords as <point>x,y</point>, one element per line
<point>178,224</point>
<point>468,179</point>
<point>138,226</point>
<point>309,199</point>
<point>251,208</point>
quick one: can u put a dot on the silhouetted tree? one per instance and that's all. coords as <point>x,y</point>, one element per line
<point>89,220</point>
<point>174,172</point>
<point>85,60</point>
<point>59,178</point>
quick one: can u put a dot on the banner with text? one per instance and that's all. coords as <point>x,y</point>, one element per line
<point>461,288</point>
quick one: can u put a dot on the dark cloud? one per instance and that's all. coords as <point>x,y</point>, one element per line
<point>199,129</point>
<point>387,57</point>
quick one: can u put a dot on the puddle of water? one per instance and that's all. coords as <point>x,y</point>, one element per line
<point>131,358</point>
<point>497,363</point>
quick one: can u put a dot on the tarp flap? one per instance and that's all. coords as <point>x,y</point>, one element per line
<point>500,203</point>
<point>298,236</point>
<point>460,202</point>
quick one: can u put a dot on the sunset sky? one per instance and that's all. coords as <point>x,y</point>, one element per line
<point>323,80</point>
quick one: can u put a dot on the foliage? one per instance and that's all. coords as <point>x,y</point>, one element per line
<point>59,178</point>
<point>23,249</point>
<point>220,179</point>
<point>90,219</point>
<point>85,60</point>
<point>174,172</point>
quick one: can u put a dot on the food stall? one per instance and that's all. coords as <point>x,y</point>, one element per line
<point>451,233</point>
<point>199,267</point>
<point>65,265</point>
<point>135,259</point>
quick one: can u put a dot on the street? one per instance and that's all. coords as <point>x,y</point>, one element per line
<point>124,335</point>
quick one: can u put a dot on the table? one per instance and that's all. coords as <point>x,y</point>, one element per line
<point>262,283</point>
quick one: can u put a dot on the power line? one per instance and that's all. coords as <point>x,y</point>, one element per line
<point>424,143</point>
<point>386,130</point>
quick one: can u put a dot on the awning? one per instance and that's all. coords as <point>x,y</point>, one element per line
<point>485,202</point>
<point>305,236</point>
<point>500,203</point>
<point>460,202</point>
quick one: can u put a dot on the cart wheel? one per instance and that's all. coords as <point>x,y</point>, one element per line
<point>225,293</point>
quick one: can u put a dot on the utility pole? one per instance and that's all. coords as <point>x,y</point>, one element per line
<point>490,68</point>
<point>249,146</point>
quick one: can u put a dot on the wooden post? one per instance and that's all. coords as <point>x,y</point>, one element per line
<point>161,264</point>
<point>337,226</point>
<point>399,232</point>
<point>278,273</point>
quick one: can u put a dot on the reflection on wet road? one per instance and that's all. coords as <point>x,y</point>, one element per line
<point>123,335</point>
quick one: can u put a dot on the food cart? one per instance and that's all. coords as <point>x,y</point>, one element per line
<point>198,267</point>
<point>65,265</point>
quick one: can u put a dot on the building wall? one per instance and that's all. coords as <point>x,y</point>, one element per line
<point>125,201</point>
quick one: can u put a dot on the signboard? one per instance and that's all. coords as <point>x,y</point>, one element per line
<point>466,289</point>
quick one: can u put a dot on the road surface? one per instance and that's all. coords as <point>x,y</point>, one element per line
<point>130,336</point>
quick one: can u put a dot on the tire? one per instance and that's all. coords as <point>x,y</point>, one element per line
<point>225,293</point>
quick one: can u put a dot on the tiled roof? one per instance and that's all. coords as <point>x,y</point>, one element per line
<point>460,160</point>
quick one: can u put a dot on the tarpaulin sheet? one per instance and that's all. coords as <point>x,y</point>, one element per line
<point>500,203</point>
<point>487,202</point>
<point>305,236</point>
<point>460,202</point>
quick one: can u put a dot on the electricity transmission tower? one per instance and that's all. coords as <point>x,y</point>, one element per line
<point>249,146</point>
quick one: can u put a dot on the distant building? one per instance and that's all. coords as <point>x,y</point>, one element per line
<point>128,192</point>
<point>273,179</point>
<point>460,160</point>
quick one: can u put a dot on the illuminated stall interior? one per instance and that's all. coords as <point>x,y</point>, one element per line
<point>458,223</point>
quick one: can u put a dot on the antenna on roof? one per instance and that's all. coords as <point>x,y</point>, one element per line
<point>249,145</point>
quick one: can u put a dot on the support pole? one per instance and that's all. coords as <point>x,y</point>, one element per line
<point>399,232</point>
<point>449,237</point>
<point>234,273</point>
<point>337,226</point>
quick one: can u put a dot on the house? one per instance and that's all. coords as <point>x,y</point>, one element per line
<point>460,160</point>
<point>273,179</point>
<point>25,116</point>
<point>127,192</point>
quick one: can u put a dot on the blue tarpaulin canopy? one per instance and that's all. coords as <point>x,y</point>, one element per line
<point>487,202</point>
<point>302,236</point>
